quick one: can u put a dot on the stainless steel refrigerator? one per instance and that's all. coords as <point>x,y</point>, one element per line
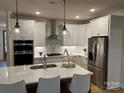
<point>97,59</point>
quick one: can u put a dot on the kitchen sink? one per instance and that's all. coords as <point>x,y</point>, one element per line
<point>54,54</point>
<point>42,66</point>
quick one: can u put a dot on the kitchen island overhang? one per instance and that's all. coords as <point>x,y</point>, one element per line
<point>14,74</point>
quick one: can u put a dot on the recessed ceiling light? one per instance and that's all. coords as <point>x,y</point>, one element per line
<point>37,13</point>
<point>92,10</point>
<point>77,17</point>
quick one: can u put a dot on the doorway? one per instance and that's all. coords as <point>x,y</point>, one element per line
<point>3,48</point>
<point>4,45</point>
<point>3,39</point>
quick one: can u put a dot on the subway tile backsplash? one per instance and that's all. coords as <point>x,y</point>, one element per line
<point>73,50</point>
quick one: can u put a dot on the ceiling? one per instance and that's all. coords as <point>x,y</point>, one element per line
<point>73,8</point>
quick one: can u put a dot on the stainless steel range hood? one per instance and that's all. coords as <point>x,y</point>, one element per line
<point>53,34</point>
<point>53,40</point>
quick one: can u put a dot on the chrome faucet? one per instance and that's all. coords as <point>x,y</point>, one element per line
<point>45,63</point>
<point>66,52</point>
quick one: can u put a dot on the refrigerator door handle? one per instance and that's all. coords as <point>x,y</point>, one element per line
<point>94,51</point>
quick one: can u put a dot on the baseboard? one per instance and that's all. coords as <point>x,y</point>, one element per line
<point>113,85</point>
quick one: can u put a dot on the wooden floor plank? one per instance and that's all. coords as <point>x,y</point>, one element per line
<point>95,89</point>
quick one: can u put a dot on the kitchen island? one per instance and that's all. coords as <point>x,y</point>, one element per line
<point>14,74</point>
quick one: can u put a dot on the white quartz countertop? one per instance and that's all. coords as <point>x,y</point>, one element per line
<point>74,54</point>
<point>13,74</point>
<point>79,54</point>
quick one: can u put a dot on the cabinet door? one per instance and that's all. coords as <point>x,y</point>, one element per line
<point>77,35</point>
<point>99,26</point>
<point>14,34</point>
<point>73,37</point>
<point>88,33</point>
<point>81,35</point>
<point>94,28</point>
<point>39,34</point>
<point>67,39</point>
<point>26,27</point>
<point>103,26</point>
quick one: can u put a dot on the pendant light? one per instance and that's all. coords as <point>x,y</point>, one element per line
<point>64,26</point>
<point>17,27</point>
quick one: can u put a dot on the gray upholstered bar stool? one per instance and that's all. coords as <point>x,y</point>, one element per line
<point>18,87</point>
<point>80,84</point>
<point>49,85</point>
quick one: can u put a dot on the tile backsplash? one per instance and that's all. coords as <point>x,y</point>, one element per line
<point>73,50</point>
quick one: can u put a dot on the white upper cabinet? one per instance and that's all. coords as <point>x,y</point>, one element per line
<point>72,37</point>
<point>100,26</point>
<point>81,35</point>
<point>14,34</point>
<point>26,32</point>
<point>76,36</point>
<point>39,34</point>
<point>28,28</point>
<point>88,33</point>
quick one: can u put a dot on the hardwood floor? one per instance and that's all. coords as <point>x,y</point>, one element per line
<point>95,89</point>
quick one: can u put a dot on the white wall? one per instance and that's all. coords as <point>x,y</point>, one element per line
<point>115,52</point>
<point>122,64</point>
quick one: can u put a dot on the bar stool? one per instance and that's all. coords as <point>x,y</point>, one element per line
<point>18,87</point>
<point>80,84</point>
<point>49,85</point>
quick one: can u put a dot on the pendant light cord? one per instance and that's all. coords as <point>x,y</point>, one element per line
<point>64,12</point>
<point>17,11</point>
